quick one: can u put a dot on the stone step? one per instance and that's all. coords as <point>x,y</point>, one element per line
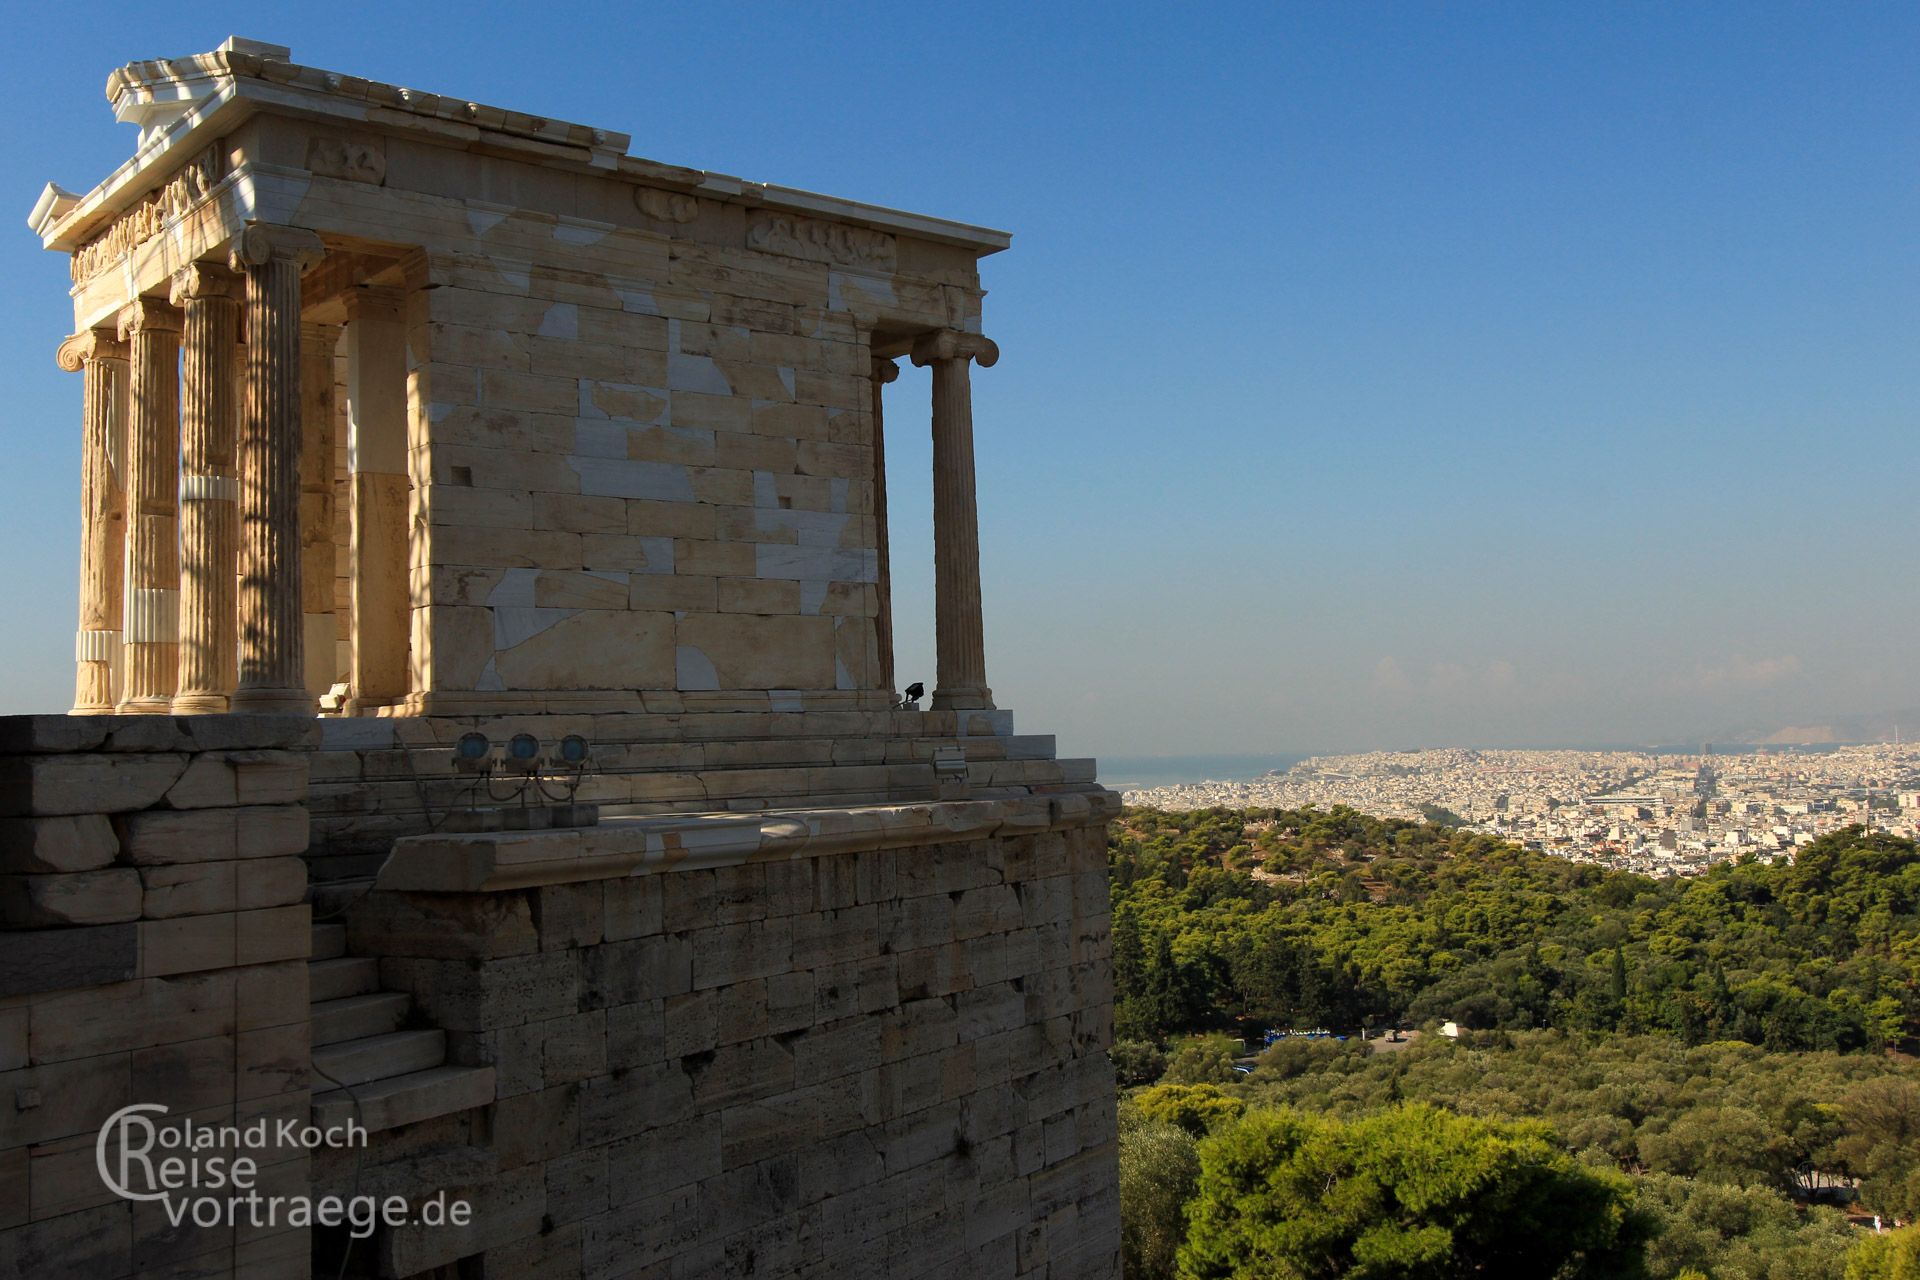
<point>329,941</point>
<point>407,1099</point>
<point>342,976</point>
<point>356,1017</point>
<point>396,1053</point>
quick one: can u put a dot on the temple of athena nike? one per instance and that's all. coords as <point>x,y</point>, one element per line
<point>486,747</point>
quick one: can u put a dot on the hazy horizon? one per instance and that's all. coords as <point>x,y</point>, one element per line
<point>1369,377</point>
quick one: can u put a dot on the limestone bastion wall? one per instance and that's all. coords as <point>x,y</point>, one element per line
<point>866,1041</point>
<point>153,949</point>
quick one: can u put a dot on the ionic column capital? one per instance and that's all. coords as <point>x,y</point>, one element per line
<point>264,242</point>
<point>205,282</point>
<point>149,315</point>
<point>92,344</point>
<point>953,344</point>
<point>884,371</point>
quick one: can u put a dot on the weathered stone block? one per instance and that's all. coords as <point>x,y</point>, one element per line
<point>443,925</point>
<point>568,916</point>
<point>632,907</point>
<point>735,1073</point>
<point>58,959</point>
<point>187,944</point>
<point>829,937</point>
<point>207,782</point>
<point>86,784</point>
<point>269,777</point>
<point>867,985</point>
<point>617,973</point>
<point>575,1048</point>
<point>577,1186</point>
<point>650,1097</point>
<point>836,1050</point>
<point>269,882</point>
<point>79,897</point>
<point>741,952</point>
<point>80,842</point>
<point>93,1242</point>
<point>212,835</point>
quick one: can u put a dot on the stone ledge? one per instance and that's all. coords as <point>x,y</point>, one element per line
<point>670,722</point>
<point>63,734</point>
<point>486,862</point>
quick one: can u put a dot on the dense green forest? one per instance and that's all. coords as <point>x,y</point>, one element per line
<point>1280,918</point>
<point>1668,1078</point>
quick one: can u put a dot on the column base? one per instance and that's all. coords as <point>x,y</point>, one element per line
<point>975,698</point>
<point>200,704</point>
<point>95,653</point>
<point>271,702</point>
<point>161,705</point>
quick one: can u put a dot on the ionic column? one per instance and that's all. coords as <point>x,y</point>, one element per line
<point>318,632</point>
<point>103,514</point>
<point>151,625</point>
<point>377,473</point>
<point>271,678</point>
<point>960,657</point>
<point>884,371</point>
<point>209,487</point>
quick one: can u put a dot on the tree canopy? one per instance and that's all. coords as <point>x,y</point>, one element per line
<point>1303,918</point>
<point>1413,1191</point>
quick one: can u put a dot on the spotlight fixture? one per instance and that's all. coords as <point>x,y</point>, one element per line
<point>573,750</point>
<point>471,752</point>
<point>911,698</point>
<point>523,752</point>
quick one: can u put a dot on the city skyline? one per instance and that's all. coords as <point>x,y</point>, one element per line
<point>1495,377</point>
<point>1668,814</point>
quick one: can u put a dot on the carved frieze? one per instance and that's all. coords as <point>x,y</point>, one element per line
<point>150,217</point>
<point>350,159</point>
<point>667,206</point>
<point>822,241</point>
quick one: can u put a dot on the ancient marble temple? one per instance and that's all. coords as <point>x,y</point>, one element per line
<point>428,444</point>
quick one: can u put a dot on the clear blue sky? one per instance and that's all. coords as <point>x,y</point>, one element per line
<point>1372,375</point>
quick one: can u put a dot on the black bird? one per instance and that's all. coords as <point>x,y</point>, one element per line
<point>914,693</point>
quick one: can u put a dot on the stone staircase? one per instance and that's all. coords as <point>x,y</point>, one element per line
<point>362,1038</point>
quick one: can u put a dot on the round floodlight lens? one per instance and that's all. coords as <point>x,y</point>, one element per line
<point>473,746</point>
<point>573,748</point>
<point>524,746</point>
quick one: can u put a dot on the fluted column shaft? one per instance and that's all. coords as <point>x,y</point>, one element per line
<point>884,371</point>
<point>102,360</point>
<point>152,605</point>
<point>270,671</point>
<point>209,488</point>
<point>318,629</point>
<point>960,644</point>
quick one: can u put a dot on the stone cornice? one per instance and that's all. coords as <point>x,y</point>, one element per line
<point>495,861</point>
<point>185,103</point>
